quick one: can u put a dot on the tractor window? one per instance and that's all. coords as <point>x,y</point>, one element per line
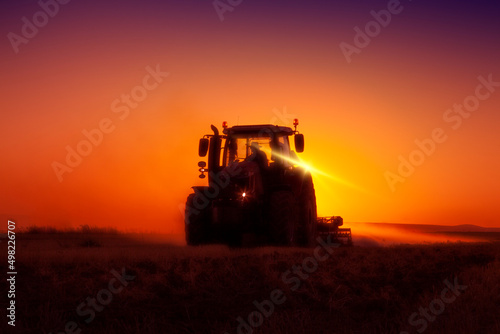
<point>238,148</point>
<point>281,150</point>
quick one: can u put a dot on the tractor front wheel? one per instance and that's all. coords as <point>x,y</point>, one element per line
<point>195,223</point>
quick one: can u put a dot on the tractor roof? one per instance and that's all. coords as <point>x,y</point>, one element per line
<point>250,129</point>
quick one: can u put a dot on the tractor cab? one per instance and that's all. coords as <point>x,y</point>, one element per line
<point>266,145</point>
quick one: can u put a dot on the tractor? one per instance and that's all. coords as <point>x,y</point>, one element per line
<point>257,190</point>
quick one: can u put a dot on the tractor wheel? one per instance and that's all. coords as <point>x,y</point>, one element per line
<point>307,225</point>
<point>281,217</point>
<point>195,223</point>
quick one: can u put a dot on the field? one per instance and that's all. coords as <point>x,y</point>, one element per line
<point>115,283</point>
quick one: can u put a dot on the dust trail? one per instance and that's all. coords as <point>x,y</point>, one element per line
<point>371,235</point>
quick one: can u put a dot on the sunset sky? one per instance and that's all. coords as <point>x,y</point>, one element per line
<point>265,62</point>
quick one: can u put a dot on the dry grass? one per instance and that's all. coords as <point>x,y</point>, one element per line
<point>203,290</point>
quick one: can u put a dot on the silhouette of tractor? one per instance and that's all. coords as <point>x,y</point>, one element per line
<point>257,190</point>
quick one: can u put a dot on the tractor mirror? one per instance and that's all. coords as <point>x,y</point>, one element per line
<point>203,147</point>
<point>299,142</point>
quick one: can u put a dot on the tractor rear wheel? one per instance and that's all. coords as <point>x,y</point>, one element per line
<point>195,223</point>
<point>307,225</point>
<point>282,217</point>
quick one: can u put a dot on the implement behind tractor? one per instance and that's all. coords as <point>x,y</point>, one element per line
<point>330,226</point>
<point>257,187</point>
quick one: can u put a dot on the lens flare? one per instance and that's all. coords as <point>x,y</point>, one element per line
<point>316,172</point>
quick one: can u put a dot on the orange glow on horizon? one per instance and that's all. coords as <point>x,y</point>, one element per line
<point>357,118</point>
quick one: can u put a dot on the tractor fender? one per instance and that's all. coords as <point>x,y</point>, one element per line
<point>305,182</point>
